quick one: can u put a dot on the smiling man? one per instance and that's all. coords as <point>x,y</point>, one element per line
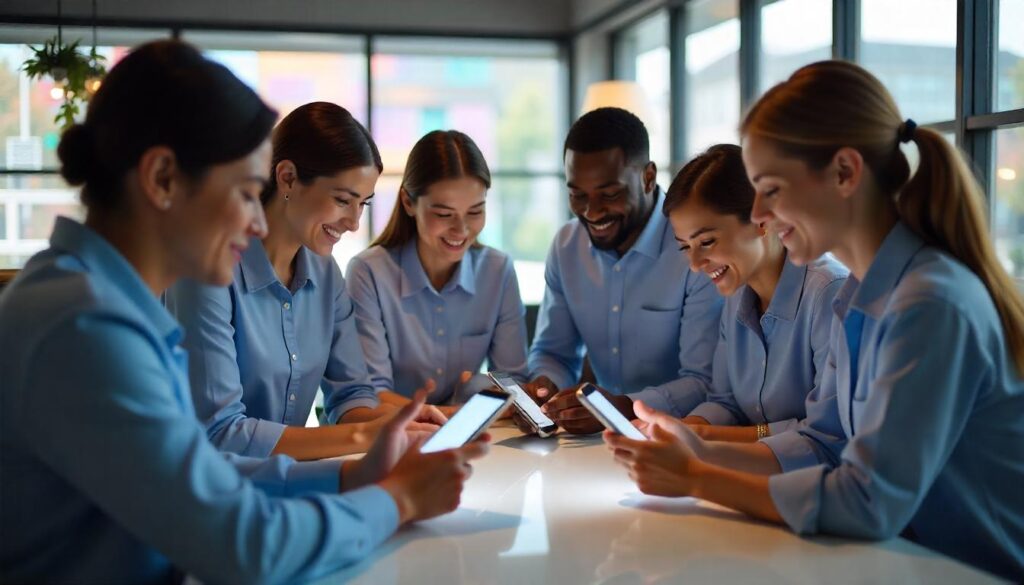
<point>618,290</point>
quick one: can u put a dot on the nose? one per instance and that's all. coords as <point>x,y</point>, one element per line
<point>592,210</point>
<point>697,259</point>
<point>350,221</point>
<point>258,225</point>
<point>760,212</point>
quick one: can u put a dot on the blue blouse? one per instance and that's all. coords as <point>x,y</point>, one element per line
<point>410,331</point>
<point>107,475</point>
<point>767,366</point>
<point>924,428</point>
<point>260,350</point>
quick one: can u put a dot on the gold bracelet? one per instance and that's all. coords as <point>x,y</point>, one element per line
<point>762,431</point>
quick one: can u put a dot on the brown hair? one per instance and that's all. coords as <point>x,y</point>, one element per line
<point>832,104</point>
<point>438,156</point>
<point>718,179</point>
<point>321,139</point>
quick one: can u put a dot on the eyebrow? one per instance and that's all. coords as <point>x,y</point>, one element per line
<point>702,230</point>
<point>353,193</point>
<point>443,206</point>
<point>601,186</point>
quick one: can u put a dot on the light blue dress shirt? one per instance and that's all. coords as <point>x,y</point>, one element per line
<point>767,366</point>
<point>411,332</point>
<point>260,350</point>
<point>648,324</point>
<point>931,435</point>
<point>107,475</point>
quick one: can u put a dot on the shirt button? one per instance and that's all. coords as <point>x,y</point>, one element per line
<point>615,309</point>
<point>439,309</point>
<point>295,358</point>
<point>292,397</point>
<point>618,268</point>
<point>287,305</point>
<point>615,350</point>
<point>440,332</point>
<point>439,371</point>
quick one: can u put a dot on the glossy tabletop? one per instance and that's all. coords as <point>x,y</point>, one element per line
<point>560,511</point>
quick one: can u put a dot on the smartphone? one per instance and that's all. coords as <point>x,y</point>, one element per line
<point>469,421</point>
<point>541,424</point>
<point>604,411</point>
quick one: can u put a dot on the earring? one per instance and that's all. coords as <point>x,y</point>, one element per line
<point>165,204</point>
<point>287,197</point>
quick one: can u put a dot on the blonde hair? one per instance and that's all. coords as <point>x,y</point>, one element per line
<point>833,104</point>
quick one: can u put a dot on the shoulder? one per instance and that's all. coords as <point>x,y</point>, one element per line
<point>570,236</point>
<point>376,260</point>
<point>825,271</point>
<point>488,261</point>
<point>936,278</point>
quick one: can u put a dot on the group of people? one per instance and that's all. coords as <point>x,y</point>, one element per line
<point>804,329</point>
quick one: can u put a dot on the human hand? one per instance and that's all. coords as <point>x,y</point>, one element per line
<point>567,412</point>
<point>392,441</point>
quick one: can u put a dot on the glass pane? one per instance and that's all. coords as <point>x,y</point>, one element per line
<point>28,133</point>
<point>509,96</point>
<point>292,69</point>
<point>911,46</point>
<point>30,204</point>
<point>354,242</point>
<point>642,51</point>
<point>523,214</point>
<point>793,34</point>
<point>1008,216</point>
<point>1010,59</point>
<point>712,66</point>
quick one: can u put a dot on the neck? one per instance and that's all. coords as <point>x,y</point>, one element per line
<point>766,278</point>
<point>864,236</point>
<point>281,244</point>
<point>139,244</point>
<point>633,237</point>
<point>439,272</point>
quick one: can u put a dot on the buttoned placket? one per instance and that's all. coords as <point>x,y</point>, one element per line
<point>767,322</point>
<point>291,344</point>
<point>616,295</point>
<point>442,338</point>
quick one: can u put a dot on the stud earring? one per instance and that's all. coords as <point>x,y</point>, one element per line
<point>165,204</point>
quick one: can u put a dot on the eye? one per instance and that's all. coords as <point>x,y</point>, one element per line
<point>443,215</point>
<point>342,202</point>
<point>684,248</point>
<point>366,203</point>
<point>615,195</point>
<point>770,192</point>
<point>707,244</point>
<point>478,212</point>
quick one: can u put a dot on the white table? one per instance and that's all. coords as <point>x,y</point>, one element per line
<point>560,511</point>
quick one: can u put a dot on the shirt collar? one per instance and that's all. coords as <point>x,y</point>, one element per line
<point>888,266</point>
<point>258,273</point>
<point>414,277</point>
<point>651,238</point>
<point>788,291</point>
<point>106,262</point>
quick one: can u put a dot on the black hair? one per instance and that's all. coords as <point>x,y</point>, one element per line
<point>162,93</point>
<point>321,139</point>
<point>718,179</point>
<point>607,128</point>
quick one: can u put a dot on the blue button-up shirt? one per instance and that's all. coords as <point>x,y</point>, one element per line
<point>411,332</point>
<point>767,366</point>
<point>932,432</point>
<point>259,350</point>
<point>647,323</point>
<point>107,475</point>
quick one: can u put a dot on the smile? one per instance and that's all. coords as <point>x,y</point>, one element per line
<point>717,274</point>
<point>600,227</point>
<point>454,243</point>
<point>332,233</point>
<point>784,233</point>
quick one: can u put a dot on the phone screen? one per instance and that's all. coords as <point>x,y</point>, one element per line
<point>524,402</point>
<point>465,423</point>
<point>620,424</point>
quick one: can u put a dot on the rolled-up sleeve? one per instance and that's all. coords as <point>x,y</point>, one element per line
<point>346,383</point>
<point>721,407</point>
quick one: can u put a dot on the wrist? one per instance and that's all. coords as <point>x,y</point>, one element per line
<point>350,475</point>
<point>402,501</point>
<point>624,404</point>
<point>702,474</point>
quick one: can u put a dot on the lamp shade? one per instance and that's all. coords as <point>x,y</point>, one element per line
<point>628,95</point>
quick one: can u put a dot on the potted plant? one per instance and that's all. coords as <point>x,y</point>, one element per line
<point>77,74</point>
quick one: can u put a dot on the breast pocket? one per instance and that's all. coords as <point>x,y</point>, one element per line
<point>473,351</point>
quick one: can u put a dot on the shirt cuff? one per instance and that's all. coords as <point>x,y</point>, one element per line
<point>797,497</point>
<point>338,411</point>
<point>792,450</point>
<point>779,427</point>
<point>265,436</point>
<point>314,477</point>
<point>714,413</point>
<point>379,512</point>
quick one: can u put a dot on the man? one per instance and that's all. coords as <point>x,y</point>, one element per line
<point>618,289</point>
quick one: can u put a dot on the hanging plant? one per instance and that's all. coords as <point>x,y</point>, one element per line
<point>76,73</point>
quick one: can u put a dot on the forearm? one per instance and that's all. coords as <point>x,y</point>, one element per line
<point>365,414</point>
<point>754,458</point>
<point>729,434</point>
<point>306,443</point>
<point>744,492</point>
<point>392,398</point>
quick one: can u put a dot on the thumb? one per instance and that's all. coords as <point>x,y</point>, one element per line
<point>429,386</point>
<point>658,433</point>
<point>644,412</point>
<point>465,376</point>
<point>408,412</point>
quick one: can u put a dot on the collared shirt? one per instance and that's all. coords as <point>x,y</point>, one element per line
<point>931,434</point>
<point>648,325</point>
<point>108,476</point>
<point>767,366</point>
<point>411,332</point>
<point>260,350</point>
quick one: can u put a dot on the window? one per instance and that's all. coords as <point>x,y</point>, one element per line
<point>1008,206</point>
<point>911,47</point>
<point>712,66</point>
<point>783,52</point>
<point>1010,58</point>
<point>642,55</point>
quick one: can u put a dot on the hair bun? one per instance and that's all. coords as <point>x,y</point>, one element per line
<point>76,151</point>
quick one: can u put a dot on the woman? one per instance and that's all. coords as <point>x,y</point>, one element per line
<point>107,475</point>
<point>777,316</point>
<point>925,432</point>
<point>261,347</point>
<point>431,302</point>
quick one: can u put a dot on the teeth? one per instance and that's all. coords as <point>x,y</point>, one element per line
<point>454,243</point>
<point>714,275</point>
<point>601,226</point>
<point>332,232</point>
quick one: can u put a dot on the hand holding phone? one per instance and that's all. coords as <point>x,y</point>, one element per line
<point>524,405</point>
<point>603,410</point>
<point>475,415</point>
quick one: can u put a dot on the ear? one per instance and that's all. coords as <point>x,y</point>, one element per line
<point>650,177</point>
<point>159,176</point>
<point>285,174</point>
<point>407,204</point>
<point>848,165</point>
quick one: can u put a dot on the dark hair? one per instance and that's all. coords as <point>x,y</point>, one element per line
<point>718,179</point>
<point>607,128</point>
<point>163,93</point>
<point>440,155</point>
<point>829,105</point>
<point>321,139</point>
